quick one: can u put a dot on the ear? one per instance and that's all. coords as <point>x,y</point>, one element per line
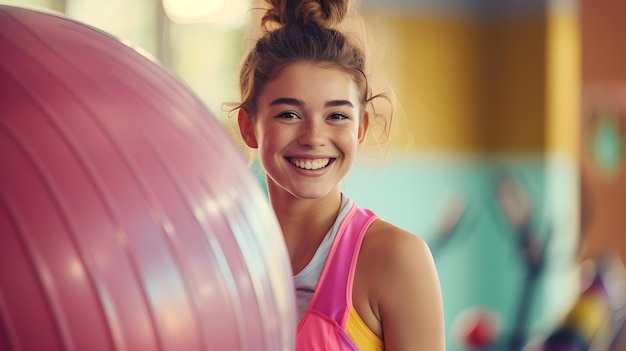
<point>363,127</point>
<point>246,128</point>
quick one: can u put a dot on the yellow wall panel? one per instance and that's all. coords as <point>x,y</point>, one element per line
<point>466,83</point>
<point>563,85</point>
<point>429,63</point>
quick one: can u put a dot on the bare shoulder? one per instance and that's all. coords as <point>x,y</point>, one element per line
<point>390,245</point>
<point>408,294</point>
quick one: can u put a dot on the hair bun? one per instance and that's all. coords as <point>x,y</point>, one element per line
<point>324,13</point>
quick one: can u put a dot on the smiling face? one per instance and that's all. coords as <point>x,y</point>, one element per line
<point>307,128</point>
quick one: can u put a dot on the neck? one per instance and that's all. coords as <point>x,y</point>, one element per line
<point>304,222</point>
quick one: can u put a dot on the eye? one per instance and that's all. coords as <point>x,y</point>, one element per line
<point>338,116</point>
<point>288,115</point>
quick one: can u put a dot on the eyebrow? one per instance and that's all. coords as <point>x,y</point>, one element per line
<point>286,101</point>
<point>334,103</point>
<point>296,102</point>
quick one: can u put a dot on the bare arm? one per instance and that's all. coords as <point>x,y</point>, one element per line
<point>409,299</point>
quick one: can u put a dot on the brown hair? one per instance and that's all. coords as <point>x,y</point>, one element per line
<point>307,30</point>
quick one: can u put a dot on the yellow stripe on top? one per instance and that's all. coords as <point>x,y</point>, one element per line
<point>362,336</point>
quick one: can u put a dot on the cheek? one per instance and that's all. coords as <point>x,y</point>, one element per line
<point>270,139</point>
<point>349,136</point>
<point>350,141</point>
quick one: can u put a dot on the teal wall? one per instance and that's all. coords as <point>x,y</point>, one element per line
<point>481,263</point>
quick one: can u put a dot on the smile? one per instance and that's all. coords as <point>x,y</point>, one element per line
<point>309,163</point>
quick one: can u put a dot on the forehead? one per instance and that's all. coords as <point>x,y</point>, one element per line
<point>311,82</point>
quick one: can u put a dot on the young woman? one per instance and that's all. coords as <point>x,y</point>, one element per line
<point>362,283</point>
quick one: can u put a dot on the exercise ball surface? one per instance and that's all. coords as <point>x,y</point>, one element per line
<point>128,218</point>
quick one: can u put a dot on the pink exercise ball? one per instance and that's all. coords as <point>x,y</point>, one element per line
<point>128,218</point>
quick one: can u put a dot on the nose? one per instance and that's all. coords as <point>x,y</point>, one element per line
<point>313,133</point>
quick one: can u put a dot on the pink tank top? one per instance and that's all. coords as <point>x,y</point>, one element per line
<point>322,328</point>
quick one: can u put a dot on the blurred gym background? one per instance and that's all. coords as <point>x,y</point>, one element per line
<point>510,159</point>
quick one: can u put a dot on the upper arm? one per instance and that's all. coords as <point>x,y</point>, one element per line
<point>409,300</point>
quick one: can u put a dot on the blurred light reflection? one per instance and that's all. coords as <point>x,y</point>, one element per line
<point>218,12</point>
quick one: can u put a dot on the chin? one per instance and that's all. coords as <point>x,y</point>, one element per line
<point>310,194</point>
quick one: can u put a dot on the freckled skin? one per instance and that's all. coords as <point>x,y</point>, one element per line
<point>307,112</point>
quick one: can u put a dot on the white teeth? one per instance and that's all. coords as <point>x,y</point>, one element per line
<point>310,164</point>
